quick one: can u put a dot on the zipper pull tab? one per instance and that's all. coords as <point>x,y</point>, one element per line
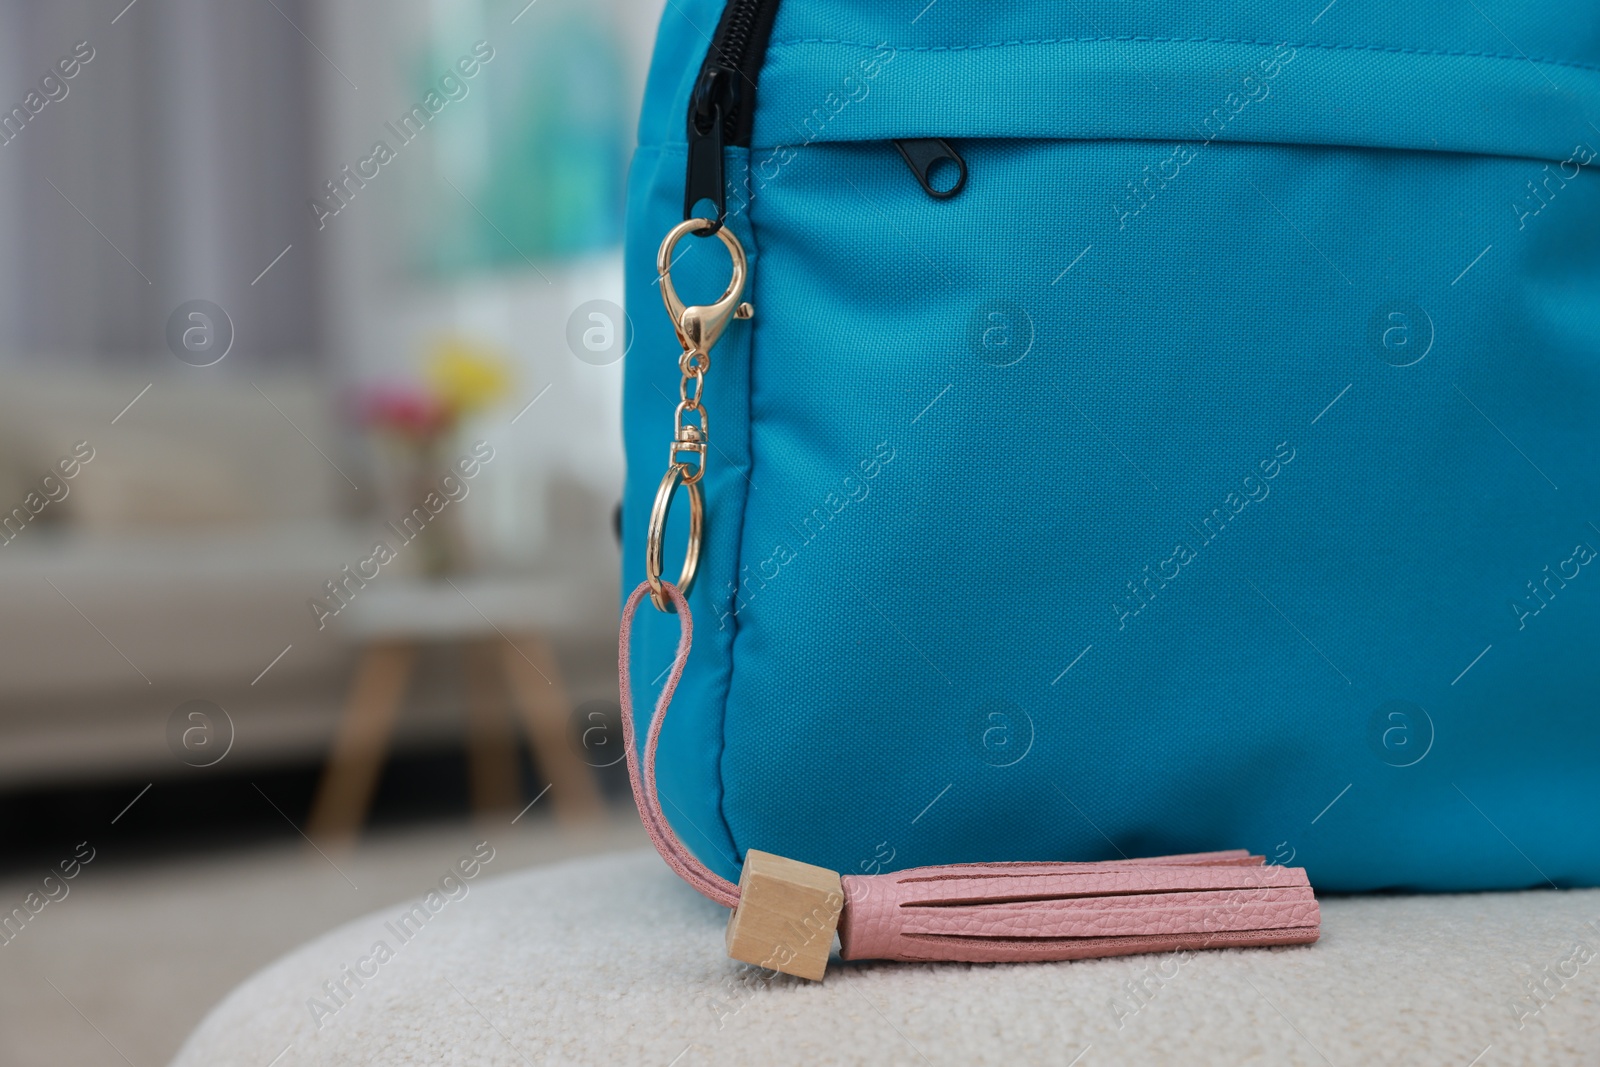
<point>923,153</point>
<point>708,106</point>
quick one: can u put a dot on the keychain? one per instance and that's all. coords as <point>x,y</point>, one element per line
<point>786,913</point>
<point>699,328</point>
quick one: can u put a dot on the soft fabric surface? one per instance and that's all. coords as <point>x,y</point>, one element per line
<point>613,960</point>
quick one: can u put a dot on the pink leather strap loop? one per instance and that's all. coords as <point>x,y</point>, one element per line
<point>642,771</point>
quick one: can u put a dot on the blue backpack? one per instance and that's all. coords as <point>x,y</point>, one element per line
<point>1159,429</point>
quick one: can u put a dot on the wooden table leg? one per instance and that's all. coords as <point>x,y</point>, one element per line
<point>546,715</point>
<point>491,742</point>
<point>362,741</point>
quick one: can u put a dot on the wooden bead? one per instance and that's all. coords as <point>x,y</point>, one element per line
<point>786,915</point>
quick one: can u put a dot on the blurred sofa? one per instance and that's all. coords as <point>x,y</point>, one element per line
<point>179,562</point>
<point>167,572</point>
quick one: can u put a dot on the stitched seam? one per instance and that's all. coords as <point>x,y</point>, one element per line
<point>1141,39</point>
<point>743,156</point>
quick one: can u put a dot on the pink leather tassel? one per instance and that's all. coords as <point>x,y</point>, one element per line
<point>1007,912</point>
<point>999,912</point>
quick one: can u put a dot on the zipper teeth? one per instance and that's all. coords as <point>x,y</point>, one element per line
<point>741,19</point>
<point>730,51</point>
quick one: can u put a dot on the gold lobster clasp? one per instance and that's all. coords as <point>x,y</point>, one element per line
<point>700,326</point>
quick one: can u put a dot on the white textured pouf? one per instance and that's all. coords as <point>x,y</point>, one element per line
<point>614,961</point>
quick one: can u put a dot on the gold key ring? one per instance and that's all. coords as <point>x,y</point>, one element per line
<point>656,539</point>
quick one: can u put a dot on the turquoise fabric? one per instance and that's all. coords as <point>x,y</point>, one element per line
<point>1217,469</point>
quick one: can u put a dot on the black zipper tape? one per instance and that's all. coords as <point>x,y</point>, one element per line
<point>723,101</point>
<point>722,109</point>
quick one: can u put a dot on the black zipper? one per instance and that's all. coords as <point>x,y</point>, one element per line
<point>722,104</point>
<point>723,100</point>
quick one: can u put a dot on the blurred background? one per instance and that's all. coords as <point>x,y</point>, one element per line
<point>309,453</point>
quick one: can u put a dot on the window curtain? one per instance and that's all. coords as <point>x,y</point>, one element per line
<point>171,166</point>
